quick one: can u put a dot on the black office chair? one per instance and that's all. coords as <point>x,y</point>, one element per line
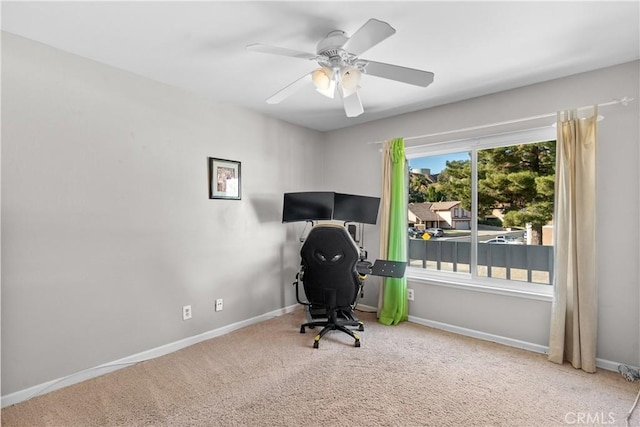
<point>331,281</point>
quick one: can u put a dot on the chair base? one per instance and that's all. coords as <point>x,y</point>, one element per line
<point>336,320</point>
<point>318,313</point>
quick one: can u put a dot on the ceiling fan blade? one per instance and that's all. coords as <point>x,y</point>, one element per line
<point>283,51</point>
<point>352,104</point>
<point>289,90</point>
<point>398,73</point>
<point>367,36</point>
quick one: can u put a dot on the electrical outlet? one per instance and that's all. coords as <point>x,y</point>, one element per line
<point>186,312</point>
<point>410,294</point>
<point>219,304</point>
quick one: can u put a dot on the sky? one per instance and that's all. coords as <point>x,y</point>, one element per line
<point>436,163</point>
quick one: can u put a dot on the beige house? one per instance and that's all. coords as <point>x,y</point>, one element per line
<point>439,214</point>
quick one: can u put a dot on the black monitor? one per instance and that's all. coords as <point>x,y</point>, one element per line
<point>307,206</point>
<point>352,208</point>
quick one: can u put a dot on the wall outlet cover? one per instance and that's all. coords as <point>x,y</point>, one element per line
<point>186,312</point>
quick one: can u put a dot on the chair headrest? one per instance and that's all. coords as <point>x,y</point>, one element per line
<point>329,244</point>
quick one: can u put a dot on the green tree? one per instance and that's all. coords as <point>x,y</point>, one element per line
<point>418,187</point>
<point>519,180</point>
<point>454,182</point>
<point>434,194</point>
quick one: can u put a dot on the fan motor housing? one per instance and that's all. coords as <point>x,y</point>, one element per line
<point>332,44</point>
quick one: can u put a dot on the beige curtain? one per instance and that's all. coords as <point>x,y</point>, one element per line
<point>574,311</point>
<point>385,203</point>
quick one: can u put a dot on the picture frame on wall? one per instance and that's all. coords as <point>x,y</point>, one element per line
<point>225,181</point>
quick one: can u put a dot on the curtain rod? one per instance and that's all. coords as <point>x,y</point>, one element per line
<point>624,101</point>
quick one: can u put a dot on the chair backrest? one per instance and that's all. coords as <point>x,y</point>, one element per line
<point>329,257</point>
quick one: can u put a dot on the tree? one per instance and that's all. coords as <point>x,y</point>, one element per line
<point>418,187</point>
<point>421,189</point>
<point>434,194</point>
<point>455,182</point>
<point>519,180</point>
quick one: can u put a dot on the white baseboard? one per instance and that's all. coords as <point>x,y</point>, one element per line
<point>367,308</point>
<point>49,386</point>
<point>607,364</point>
<point>537,348</point>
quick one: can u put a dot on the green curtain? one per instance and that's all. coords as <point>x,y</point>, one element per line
<point>394,305</point>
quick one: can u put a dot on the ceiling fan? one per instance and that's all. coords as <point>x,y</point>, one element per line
<point>341,68</point>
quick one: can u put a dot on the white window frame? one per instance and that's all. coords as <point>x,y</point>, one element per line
<point>472,281</point>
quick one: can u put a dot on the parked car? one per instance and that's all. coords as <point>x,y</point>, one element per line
<point>415,233</point>
<point>436,232</point>
<point>510,238</point>
<point>494,241</point>
<point>502,240</point>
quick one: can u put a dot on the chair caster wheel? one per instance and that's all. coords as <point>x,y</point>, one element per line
<point>302,329</point>
<point>357,344</point>
<point>315,344</point>
<point>361,327</point>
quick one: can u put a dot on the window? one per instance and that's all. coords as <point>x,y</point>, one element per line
<point>493,197</point>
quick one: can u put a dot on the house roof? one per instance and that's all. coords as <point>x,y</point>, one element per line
<point>423,212</point>
<point>443,206</point>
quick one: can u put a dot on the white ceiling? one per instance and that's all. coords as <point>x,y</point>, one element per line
<point>474,48</point>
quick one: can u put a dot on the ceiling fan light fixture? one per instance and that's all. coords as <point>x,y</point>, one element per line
<point>322,78</point>
<point>350,78</point>
<point>330,91</point>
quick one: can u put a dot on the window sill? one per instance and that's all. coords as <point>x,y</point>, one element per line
<point>464,281</point>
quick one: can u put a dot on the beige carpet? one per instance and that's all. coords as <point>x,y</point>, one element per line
<point>269,375</point>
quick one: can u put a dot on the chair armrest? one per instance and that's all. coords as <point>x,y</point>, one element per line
<point>363,267</point>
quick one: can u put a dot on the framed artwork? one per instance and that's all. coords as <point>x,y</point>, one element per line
<point>224,179</point>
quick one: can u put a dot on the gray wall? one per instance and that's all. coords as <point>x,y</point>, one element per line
<point>357,167</point>
<point>107,229</point>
